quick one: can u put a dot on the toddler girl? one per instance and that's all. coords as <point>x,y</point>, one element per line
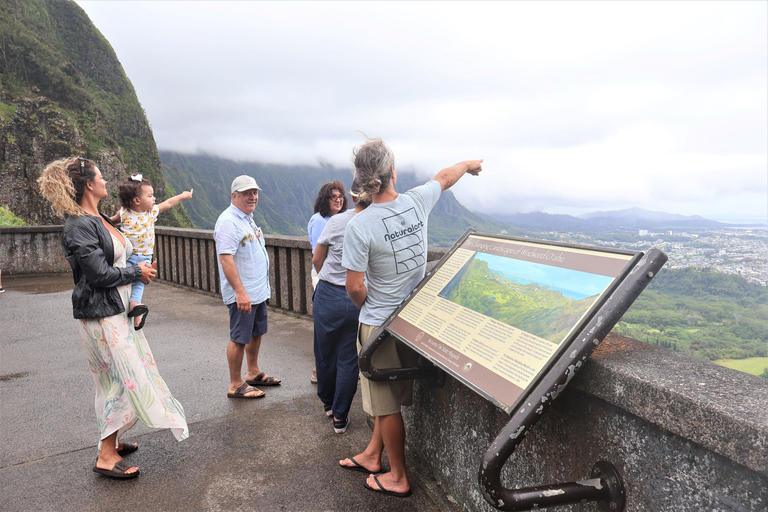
<point>137,218</point>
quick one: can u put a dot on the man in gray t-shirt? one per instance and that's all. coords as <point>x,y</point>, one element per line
<point>387,243</point>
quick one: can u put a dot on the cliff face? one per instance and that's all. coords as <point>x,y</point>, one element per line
<point>33,132</point>
<point>64,93</point>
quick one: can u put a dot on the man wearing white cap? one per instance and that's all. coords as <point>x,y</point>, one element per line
<point>244,271</point>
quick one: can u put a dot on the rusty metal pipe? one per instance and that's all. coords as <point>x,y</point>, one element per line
<point>550,386</point>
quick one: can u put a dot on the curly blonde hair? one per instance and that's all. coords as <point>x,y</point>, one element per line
<point>62,182</point>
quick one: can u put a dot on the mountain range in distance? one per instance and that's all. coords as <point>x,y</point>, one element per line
<point>290,190</point>
<point>630,218</point>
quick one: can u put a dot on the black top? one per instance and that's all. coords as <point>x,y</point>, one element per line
<point>89,249</point>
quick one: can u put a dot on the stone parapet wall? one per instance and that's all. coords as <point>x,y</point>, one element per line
<point>684,434</point>
<point>31,250</point>
<point>185,257</point>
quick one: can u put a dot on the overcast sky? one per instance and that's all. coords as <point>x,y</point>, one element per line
<point>575,106</point>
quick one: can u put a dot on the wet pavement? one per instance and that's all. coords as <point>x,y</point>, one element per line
<point>276,453</point>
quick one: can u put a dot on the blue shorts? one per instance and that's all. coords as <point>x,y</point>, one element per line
<point>243,327</point>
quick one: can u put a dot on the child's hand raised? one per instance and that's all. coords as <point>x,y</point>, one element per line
<point>173,201</point>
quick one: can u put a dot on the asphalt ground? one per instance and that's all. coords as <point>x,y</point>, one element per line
<point>275,453</point>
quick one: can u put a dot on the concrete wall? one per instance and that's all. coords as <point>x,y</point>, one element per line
<point>186,257</point>
<point>31,250</point>
<point>684,434</point>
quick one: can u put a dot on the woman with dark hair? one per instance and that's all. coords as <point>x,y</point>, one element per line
<point>335,318</point>
<point>330,200</point>
<point>128,385</point>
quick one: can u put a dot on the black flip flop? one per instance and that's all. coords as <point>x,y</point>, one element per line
<point>382,490</point>
<point>358,467</point>
<point>139,310</point>
<point>127,449</point>
<point>117,471</point>
<point>262,379</point>
<point>242,390</point>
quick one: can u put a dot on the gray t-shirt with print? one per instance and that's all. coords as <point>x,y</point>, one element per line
<point>388,241</point>
<point>333,237</point>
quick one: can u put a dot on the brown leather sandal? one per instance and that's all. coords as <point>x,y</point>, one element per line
<point>117,471</point>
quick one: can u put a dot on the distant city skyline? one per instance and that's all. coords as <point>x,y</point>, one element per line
<point>576,107</point>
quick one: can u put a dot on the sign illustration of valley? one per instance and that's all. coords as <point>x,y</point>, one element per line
<point>499,310</point>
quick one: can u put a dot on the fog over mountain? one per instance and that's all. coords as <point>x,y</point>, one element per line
<point>289,191</point>
<point>575,106</point>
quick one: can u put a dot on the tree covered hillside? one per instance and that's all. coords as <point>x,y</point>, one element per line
<point>288,196</point>
<point>703,313</point>
<point>536,309</point>
<point>64,93</point>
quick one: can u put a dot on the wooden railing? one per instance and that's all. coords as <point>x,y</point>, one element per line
<point>187,257</point>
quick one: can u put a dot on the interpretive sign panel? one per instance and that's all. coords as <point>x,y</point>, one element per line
<point>498,310</point>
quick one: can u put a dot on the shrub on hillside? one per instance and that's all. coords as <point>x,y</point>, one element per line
<point>7,218</point>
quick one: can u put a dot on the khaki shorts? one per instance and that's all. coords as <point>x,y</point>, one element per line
<point>382,398</point>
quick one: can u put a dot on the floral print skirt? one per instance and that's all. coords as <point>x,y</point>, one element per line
<point>128,384</point>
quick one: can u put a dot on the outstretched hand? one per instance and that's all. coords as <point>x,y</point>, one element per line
<point>474,166</point>
<point>450,175</point>
<point>187,195</point>
<point>148,272</point>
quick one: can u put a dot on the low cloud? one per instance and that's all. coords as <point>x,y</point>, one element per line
<point>582,107</point>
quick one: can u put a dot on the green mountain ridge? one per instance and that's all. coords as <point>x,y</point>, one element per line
<point>64,93</point>
<point>289,191</point>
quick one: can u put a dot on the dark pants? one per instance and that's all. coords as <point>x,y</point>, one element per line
<point>335,317</point>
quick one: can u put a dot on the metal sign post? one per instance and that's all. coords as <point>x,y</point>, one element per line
<point>514,320</point>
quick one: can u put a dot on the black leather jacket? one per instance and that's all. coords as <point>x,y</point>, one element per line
<point>89,250</point>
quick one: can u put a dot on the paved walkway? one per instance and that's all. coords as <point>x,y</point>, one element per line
<point>276,453</point>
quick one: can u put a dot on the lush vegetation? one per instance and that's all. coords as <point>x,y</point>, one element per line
<point>7,218</point>
<point>753,365</point>
<point>52,50</point>
<point>703,313</point>
<point>288,195</point>
<point>535,309</point>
